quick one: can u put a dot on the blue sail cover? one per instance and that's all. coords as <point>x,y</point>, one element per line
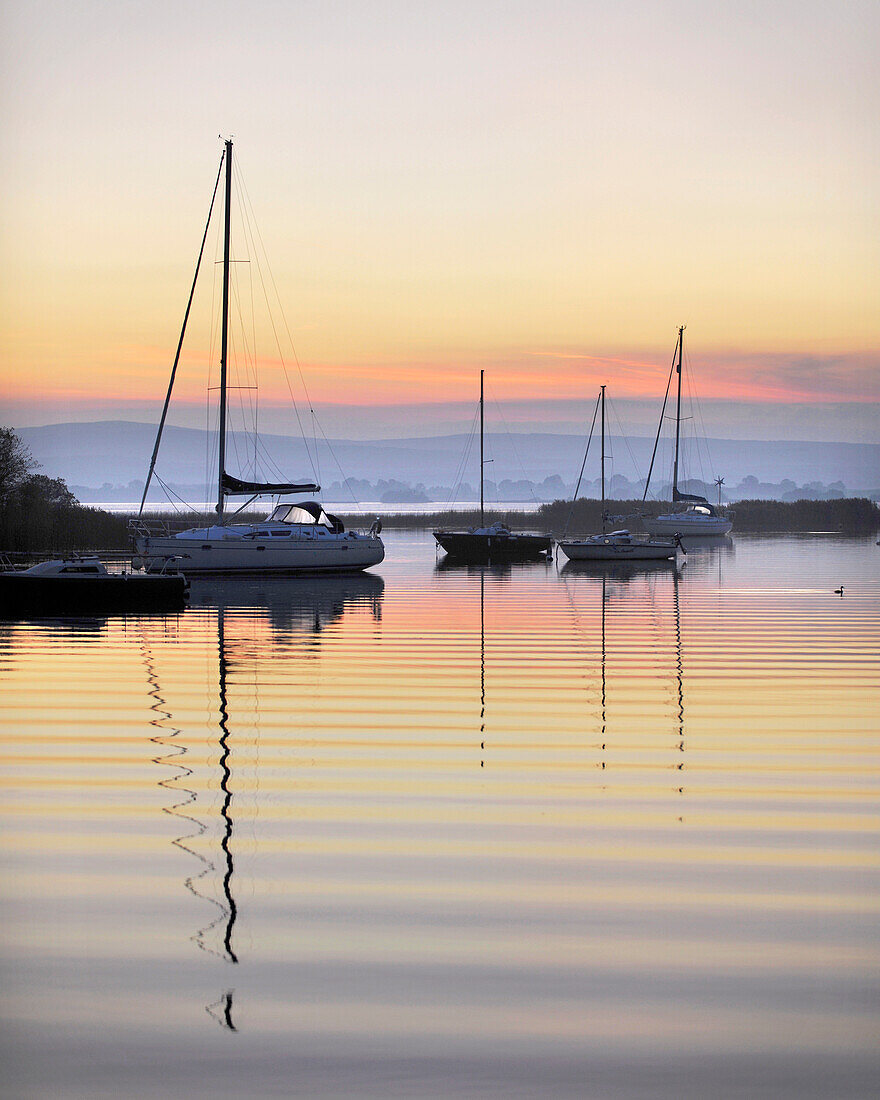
<point>676,496</point>
<point>233,486</point>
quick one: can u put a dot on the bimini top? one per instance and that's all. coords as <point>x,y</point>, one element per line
<point>307,511</point>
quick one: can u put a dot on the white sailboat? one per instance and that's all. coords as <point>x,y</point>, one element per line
<point>295,538</point>
<point>616,545</point>
<point>695,515</point>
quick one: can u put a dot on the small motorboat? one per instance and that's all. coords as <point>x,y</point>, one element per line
<point>83,583</point>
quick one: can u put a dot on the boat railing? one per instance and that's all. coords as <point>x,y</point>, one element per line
<point>139,527</point>
<point>164,528</point>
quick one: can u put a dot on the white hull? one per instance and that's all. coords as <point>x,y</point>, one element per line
<point>305,555</point>
<point>685,525</point>
<point>600,549</point>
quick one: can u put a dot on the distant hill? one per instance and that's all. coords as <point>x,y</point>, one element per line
<point>116,454</point>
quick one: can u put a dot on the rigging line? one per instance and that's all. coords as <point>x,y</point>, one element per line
<point>251,350</point>
<point>516,455</point>
<point>258,239</point>
<point>211,434</point>
<point>345,480</point>
<point>180,341</point>
<point>249,223</point>
<point>463,459</point>
<point>701,432</point>
<point>169,492</point>
<point>660,425</point>
<point>691,458</point>
<point>269,462</point>
<point>317,452</point>
<point>247,393</point>
<point>239,363</point>
<point>232,434</point>
<point>260,448</point>
<point>248,239</point>
<point>623,438</point>
<point>583,466</point>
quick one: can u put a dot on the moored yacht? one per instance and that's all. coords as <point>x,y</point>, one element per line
<point>614,545</point>
<point>496,541</point>
<point>296,537</point>
<point>694,514</point>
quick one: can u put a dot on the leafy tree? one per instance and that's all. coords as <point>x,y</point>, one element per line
<point>16,462</point>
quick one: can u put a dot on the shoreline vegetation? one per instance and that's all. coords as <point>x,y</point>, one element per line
<point>47,522</point>
<point>846,516</point>
<point>41,516</point>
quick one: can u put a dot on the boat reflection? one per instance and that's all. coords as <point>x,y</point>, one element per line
<point>292,604</point>
<point>221,1010</point>
<point>239,609</point>
<point>494,568</point>
<point>660,585</point>
<point>622,571</point>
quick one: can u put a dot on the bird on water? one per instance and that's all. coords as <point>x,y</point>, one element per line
<point>838,591</point>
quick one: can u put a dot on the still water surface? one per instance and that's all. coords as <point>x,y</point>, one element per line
<point>432,832</point>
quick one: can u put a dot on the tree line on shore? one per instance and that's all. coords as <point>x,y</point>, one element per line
<point>39,515</point>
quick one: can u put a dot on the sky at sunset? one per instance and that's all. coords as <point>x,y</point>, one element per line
<point>544,190</point>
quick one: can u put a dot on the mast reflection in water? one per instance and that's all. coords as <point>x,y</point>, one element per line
<point>650,581</point>
<point>291,608</point>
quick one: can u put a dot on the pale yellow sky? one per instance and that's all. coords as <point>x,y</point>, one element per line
<point>536,188</point>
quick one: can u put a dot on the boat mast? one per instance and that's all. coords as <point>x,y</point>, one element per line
<point>225,333</point>
<point>602,388</point>
<point>677,414</point>
<point>482,463</point>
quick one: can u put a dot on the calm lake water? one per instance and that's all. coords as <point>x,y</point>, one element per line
<point>431,832</point>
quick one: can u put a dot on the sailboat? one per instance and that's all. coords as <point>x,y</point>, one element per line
<point>696,516</point>
<point>296,537</point>
<point>495,542</point>
<point>615,545</point>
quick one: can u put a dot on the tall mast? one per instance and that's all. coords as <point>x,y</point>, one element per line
<point>482,464</point>
<point>225,333</point>
<point>677,414</point>
<point>603,458</point>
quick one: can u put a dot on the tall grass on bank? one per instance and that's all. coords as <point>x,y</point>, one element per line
<point>69,528</point>
<point>849,515</point>
<point>60,529</point>
<point>854,515</point>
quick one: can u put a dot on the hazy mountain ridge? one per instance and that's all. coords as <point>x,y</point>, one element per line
<point>114,455</point>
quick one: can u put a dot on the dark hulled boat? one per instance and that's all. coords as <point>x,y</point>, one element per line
<point>496,542</point>
<point>83,584</point>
